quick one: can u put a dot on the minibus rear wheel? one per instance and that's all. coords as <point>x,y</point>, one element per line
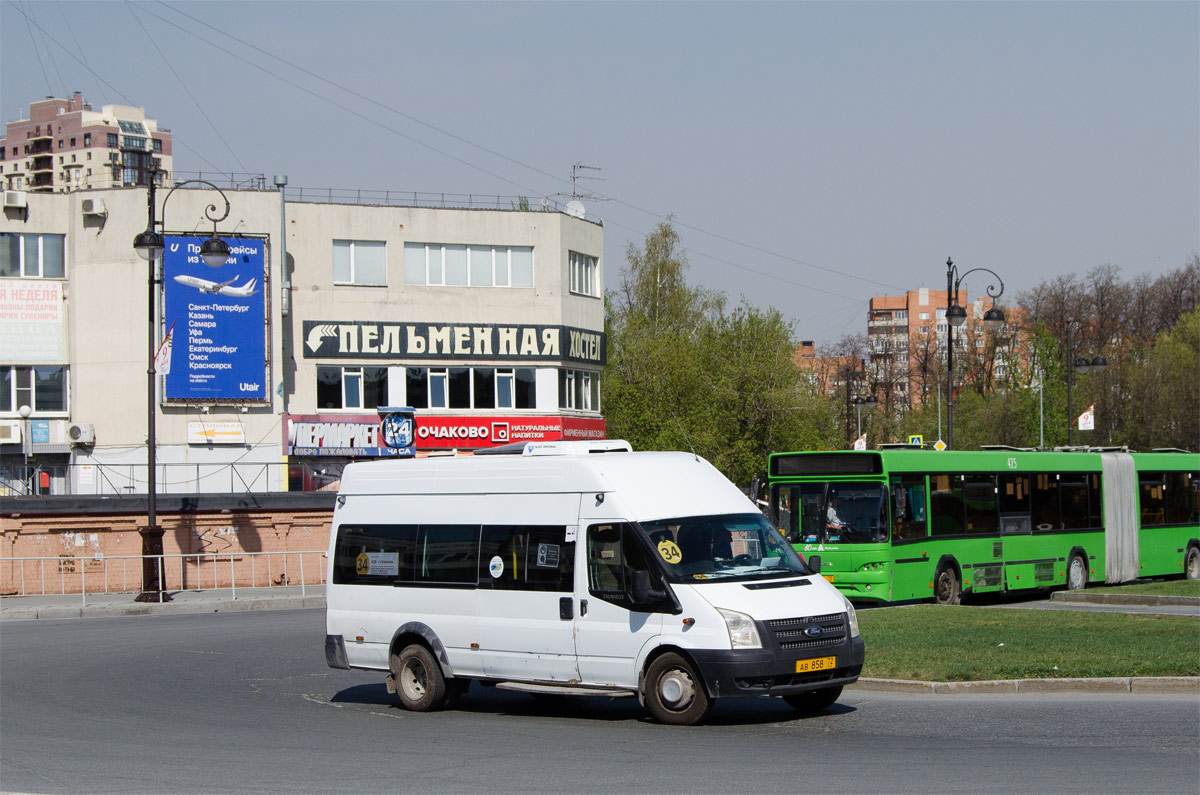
<point>673,692</point>
<point>419,680</point>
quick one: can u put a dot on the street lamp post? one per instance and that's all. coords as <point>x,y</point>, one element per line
<point>149,245</point>
<point>26,412</point>
<point>1083,366</point>
<point>956,316</point>
<point>859,401</point>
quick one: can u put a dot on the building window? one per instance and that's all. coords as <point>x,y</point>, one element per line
<point>41,387</point>
<point>112,140</point>
<point>31,256</point>
<point>87,139</point>
<point>157,145</point>
<point>584,274</point>
<point>438,264</point>
<point>924,329</point>
<point>579,390</point>
<point>922,316</point>
<point>362,262</point>
<point>351,387</point>
<point>482,388</point>
<point>901,314</point>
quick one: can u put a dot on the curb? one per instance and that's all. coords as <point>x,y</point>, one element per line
<point>172,608</point>
<point>1123,599</point>
<point>1116,684</point>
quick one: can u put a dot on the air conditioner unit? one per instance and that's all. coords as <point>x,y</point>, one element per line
<point>15,198</point>
<point>81,434</point>
<point>94,207</point>
<point>10,432</point>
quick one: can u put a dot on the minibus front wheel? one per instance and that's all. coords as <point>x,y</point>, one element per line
<point>418,678</point>
<point>673,692</point>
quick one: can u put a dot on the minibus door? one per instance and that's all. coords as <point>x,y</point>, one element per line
<point>526,607</point>
<point>611,629</point>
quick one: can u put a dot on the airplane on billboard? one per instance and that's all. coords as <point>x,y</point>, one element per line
<point>220,288</point>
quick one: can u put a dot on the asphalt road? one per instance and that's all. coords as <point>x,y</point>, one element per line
<point>243,702</point>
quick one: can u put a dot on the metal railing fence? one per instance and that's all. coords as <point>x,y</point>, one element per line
<point>258,477</point>
<point>102,574</point>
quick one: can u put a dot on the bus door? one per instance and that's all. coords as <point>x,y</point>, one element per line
<point>526,610</point>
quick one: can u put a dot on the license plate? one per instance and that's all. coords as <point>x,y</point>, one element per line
<point>828,577</point>
<point>815,664</point>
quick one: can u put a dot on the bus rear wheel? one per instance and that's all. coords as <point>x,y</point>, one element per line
<point>1077,573</point>
<point>673,693</point>
<point>1191,566</point>
<point>419,680</point>
<point>946,587</point>
<point>814,700</point>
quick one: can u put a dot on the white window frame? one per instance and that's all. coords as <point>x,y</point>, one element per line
<point>354,277</point>
<point>15,390</point>
<point>41,256</point>
<point>584,274</point>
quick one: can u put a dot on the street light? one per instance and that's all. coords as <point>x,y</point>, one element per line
<point>956,316</point>
<point>25,411</point>
<point>149,245</point>
<point>859,401</point>
<point>1082,366</point>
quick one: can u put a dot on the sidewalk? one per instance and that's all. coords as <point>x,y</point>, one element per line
<point>219,600</point>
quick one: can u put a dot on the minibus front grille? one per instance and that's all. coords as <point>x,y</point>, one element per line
<point>809,632</point>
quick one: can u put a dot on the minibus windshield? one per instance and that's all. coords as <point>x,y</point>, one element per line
<point>742,546</point>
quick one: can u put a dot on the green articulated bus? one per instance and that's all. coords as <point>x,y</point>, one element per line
<point>900,524</point>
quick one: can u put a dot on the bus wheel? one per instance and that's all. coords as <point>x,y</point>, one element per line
<point>946,588</point>
<point>1077,574</point>
<point>1191,568</point>
<point>814,700</point>
<point>673,692</point>
<point>419,680</point>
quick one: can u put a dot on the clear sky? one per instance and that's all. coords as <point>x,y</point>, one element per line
<point>813,154</point>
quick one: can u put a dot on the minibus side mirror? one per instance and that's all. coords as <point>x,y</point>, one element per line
<point>643,594</point>
<point>814,563</point>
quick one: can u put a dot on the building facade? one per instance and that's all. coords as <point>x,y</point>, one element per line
<point>64,145</point>
<point>283,363</point>
<point>908,336</point>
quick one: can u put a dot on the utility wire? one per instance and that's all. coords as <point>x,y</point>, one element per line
<point>79,47</point>
<point>535,169</point>
<point>36,49</point>
<point>188,91</point>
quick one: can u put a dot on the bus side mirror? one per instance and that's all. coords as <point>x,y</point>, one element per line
<point>643,594</point>
<point>814,563</point>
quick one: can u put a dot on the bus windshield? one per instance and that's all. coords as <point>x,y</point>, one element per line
<point>728,546</point>
<point>840,512</point>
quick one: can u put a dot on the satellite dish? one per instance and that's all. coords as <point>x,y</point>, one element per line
<point>575,208</point>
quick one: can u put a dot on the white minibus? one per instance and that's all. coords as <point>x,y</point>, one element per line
<point>578,568</point>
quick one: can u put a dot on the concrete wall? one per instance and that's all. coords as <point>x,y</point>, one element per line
<point>78,546</point>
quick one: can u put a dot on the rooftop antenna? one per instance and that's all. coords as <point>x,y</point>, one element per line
<point>685,436</point>
<point>578,172</point>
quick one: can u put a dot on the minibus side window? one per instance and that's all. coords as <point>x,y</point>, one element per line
<point>613,554</point>
<point>374,554</point>
<point>526,558</point>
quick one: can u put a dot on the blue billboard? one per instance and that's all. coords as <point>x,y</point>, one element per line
<point>217,318</point>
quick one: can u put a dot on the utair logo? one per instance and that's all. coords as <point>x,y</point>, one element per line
<point>244,387</point>
<point>814,631</point>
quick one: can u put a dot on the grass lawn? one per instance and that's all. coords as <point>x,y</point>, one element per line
<point>1153,588</point>
<point>962,643</point>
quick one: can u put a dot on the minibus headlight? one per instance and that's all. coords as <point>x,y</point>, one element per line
<point>742,632</point>
<point>851,618</point>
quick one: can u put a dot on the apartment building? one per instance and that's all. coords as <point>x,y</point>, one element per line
<point>65,145</point>
<point>907,339</point>
<point>298,353</point>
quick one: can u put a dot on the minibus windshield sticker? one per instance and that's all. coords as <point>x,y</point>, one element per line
<point>378,564</point>
<point>496,567</point>
<point>670,551</point>
<point>547,556</point>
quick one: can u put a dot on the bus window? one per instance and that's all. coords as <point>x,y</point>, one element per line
<point>1045,501</point>
<point>1183,497</point>
<point>945,505</point>
<point>1095,507</point>
<point>908,506</point>
<point>979,497</point>
<point>1152,500</point>
<point>1073,491</point>
<point>841,513</point>
<point>783,513</point>
<point>1014,503</point>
